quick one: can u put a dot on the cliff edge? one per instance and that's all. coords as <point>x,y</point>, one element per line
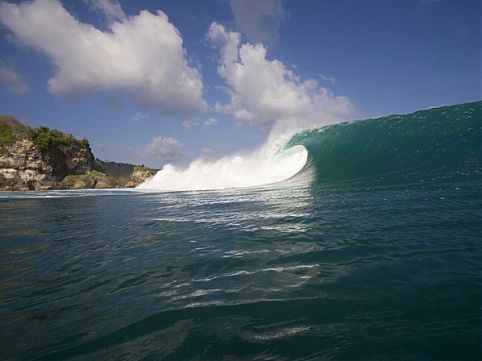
<point>42,158</point>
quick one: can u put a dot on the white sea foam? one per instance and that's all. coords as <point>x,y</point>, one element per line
<point>271,163</point>
<point>263,166</point>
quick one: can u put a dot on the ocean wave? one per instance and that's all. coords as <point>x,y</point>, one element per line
<point>432,144</point>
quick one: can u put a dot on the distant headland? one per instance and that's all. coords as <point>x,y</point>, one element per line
<point>42,158</point>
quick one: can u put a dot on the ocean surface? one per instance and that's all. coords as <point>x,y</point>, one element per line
<point>373,251</point>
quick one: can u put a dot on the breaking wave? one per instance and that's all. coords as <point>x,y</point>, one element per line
<point>439,141</point>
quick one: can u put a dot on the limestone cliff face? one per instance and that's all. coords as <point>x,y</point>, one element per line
<point>24,168</point>
<point>40,159</point>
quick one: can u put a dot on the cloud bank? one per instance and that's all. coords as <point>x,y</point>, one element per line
<point>141,54</point>
<point>264,92</point>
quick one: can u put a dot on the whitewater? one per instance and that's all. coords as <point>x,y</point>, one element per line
<point>273,162</point>
<point>263,166</point>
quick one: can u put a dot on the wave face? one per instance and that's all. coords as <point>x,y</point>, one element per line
<point>441,142</point>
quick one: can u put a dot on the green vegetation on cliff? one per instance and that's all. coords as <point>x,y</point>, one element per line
<point>47,139</point>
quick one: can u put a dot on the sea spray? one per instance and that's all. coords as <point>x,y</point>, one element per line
<point>263,166</point>
<point>273,162</point>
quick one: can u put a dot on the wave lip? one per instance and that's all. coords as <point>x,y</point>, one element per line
<point>259,168</point>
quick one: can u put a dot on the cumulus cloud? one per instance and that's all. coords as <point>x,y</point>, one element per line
<point>142,54</point>
<point>258,20</point>
<point>12,81</point>
<point>165,150</point>
<point>111,9</point>
<point>263,91</point>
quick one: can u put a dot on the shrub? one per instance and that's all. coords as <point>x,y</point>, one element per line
<point>46,139</point>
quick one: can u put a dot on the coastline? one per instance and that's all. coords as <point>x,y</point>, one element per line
<point>47,159</point>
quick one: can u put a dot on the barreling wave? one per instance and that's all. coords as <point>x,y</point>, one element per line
<point>440,141</point>
<point>443,141</point>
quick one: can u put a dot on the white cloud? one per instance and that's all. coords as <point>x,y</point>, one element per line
<point>210,122</point>
<point>258,20</point>
<point>140,117</point>
<point>111,9</point>
<point>12,81</point>
<point>165,150</point>
<point>142,54</point>
<point>263,92</point>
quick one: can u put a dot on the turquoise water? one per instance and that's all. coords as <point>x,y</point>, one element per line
<point>372,252</point>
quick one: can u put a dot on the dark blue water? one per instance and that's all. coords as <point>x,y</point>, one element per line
<point>385,266</point>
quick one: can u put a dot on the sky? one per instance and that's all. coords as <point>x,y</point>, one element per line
<point>167,81</point>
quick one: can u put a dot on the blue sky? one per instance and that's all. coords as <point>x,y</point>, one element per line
<point>236,69</point>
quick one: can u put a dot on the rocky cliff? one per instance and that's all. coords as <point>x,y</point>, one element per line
<point>41,158</point>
